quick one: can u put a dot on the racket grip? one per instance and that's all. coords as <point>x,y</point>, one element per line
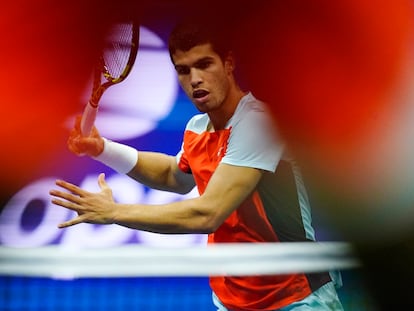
<point>88,119</point>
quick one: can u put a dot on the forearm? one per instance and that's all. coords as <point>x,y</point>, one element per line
<point>227,190</point>
<point>188,216</point>
<point>155,170</point>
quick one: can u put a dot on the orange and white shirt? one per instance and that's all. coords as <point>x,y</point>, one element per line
<point>277,211</point>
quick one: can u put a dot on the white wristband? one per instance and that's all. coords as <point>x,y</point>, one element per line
<point>121,158</point>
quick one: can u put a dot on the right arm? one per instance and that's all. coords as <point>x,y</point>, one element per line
<point>155,170</point>
<point>160,171</point>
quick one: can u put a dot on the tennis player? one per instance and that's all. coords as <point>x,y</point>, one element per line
<point>250,190</point>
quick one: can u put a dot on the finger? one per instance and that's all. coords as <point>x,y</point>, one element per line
<point>101,181</point>
<point>76,130</point>
<point>78,120</point>
<point>73,148</point>
<point>103,185</point>
<point>95,132</point>
<point>74,144</point>
<point>67,204</point>
<point>70,187</point>
<point>71,222</point>
<point>66,196</point>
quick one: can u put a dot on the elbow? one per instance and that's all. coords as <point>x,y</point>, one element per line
<point>183,188</point>
<point>210,224</point>
<point>207,214</point>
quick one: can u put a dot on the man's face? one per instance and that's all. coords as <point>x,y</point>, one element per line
<point>203,76</point>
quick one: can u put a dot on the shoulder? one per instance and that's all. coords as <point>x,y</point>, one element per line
<point>250,103</point>
<point>198,123</point>
<point>254,114</point>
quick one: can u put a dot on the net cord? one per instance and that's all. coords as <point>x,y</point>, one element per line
<point>144,261</point>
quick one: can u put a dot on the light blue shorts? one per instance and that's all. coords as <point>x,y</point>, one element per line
<point>323,299</point>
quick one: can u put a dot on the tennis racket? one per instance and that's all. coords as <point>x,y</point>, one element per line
<point>114,65</point>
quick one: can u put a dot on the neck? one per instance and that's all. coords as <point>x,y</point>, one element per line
<point>220,117</point>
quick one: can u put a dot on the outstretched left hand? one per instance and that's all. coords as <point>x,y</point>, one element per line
<point>97,208</point>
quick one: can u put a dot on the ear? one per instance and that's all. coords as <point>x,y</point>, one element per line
<point>229,62</point>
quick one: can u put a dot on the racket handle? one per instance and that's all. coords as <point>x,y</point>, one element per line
<point>88,119</point>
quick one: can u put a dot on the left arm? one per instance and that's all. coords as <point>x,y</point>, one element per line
<point>228,187</point>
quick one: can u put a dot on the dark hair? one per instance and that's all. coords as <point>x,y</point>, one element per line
<point>192,32</point>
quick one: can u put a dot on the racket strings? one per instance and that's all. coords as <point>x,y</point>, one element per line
<point>117,51</point>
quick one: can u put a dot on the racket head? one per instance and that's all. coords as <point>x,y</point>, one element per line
<point>117,58</point>
<point>114,65</point>
<point>120,51</point>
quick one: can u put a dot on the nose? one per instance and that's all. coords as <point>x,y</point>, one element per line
<point>195,77</point>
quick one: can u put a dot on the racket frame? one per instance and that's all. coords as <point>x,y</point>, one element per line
<point>103,80</point>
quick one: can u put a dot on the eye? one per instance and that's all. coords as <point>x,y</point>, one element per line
<point>182,70</point>
<point>203,64</point>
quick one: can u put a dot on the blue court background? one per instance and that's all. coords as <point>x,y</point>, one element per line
<point>150,294</point>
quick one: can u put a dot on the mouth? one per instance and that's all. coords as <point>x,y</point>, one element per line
<point>198,94</point>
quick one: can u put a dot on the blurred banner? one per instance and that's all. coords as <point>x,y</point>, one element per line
<point>147,111</point>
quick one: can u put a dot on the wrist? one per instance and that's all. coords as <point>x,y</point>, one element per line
<point>119,157</point>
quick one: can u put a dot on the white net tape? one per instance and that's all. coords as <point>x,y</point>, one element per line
<point>136,260</point>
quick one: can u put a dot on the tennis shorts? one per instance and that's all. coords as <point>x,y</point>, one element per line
<point>323,299</point>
